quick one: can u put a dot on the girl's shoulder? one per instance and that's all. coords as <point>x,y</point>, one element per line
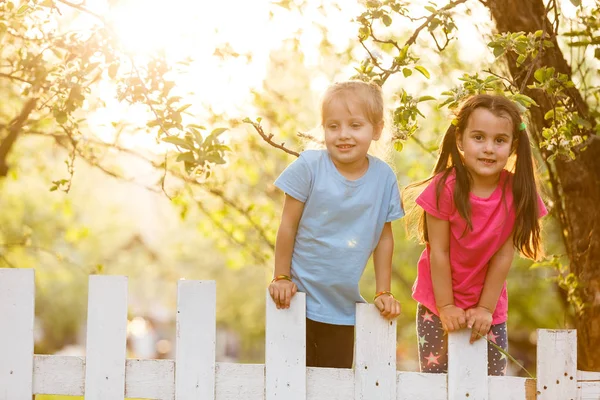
<point>312,156</point>
<point>449,175</point>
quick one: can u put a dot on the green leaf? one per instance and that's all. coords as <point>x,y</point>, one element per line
<point>183,108</point>
<point>217,131</point>
<point>576,3</point>
<point>187,156</point>
<point>549,115</point>
<point>423,70</point>
<point>177,141</point>
<point>406,72</point>
<point>387,20</point>
<point>498,52</point>
<point>425,98</point>
<point>112,70</point>
<point>431,9</point>
<point>22,9</point>
<point>61,117</point>
<point>398,146</point>
<point>539,75</point>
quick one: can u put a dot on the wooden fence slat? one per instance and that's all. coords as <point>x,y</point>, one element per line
<point>106,338</point>
<point>62,375</point>
<point>240,381</point>
<point>421,386</point>
<point>196,340</point>
<point>17,303</point>
<point>150,379</point>
<point>467,367</point>
<point>329,383</point>
<point>557,364</point>
<point>374,355</point>
<point>588,385</point>
<point>285,352</point>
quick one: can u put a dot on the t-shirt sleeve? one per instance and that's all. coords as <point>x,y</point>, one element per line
<point>395,210</point>
<point>440,208</point>
<point>542,210</point>
<point>296,179</point>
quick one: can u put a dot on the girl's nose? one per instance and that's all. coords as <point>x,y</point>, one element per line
<point>345,132</point>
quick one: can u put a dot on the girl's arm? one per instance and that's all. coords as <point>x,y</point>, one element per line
<point>382,260</point>
<point>453,318</point>
<point>496,275</point>
<point>282,290</point>
<point>480,317</point>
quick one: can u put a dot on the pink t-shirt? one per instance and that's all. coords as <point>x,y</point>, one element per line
<point>492,218</point>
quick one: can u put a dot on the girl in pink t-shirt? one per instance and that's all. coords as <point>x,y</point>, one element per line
<point>478,207</point>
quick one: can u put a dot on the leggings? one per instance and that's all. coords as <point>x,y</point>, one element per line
<point>433,344</point>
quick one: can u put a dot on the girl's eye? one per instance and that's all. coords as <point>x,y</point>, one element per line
<point>478,137</point>
<point>332,126</point>
<point>501,140</point>
<point>356,126</point>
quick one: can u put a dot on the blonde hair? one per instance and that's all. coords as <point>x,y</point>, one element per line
<point>368,95</point>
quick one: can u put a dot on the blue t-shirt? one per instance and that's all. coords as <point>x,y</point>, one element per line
<point>340,227</point>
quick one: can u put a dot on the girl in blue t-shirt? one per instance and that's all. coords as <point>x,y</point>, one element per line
<point>337,211</point>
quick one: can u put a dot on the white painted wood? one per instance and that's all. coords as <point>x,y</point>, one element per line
<point>240,381</point>
<point>196,340</point>
<point>17,298</point>
<point>588,384</point>
<point>150,379</point>
<point>106,338</point>
<point>421,386</point>
<point>557,364</point>
<point>507,388</point>
<point>467,367</point>
<point>285,352</point>
<point>63,375</point>
<point>374,355</point>
<point>329,383</point>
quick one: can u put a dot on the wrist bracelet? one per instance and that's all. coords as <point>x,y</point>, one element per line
<point>281,277</point>
<point>378,294</point>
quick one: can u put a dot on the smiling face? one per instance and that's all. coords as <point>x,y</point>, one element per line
<point>348,132</point>
<point>486,145</point>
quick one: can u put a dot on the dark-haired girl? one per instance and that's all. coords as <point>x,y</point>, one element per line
<point>479,206</point>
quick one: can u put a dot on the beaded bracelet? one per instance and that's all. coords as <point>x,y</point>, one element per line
<point>382,293</point>
<point>281,277</point>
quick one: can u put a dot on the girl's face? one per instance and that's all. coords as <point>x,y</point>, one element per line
<point>486,144</point>
<point>348,132</point>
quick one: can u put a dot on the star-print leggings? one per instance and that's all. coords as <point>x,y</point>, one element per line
<point>433,344</point>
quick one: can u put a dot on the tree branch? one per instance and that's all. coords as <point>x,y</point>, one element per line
<point>268,138</point>
<point>14,129</point>
<point>447,7</point>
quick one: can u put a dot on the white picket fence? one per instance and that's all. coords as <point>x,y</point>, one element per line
<point>106,374</point>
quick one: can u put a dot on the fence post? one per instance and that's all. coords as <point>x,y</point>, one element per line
<point>17,297</point>
<point>285,352</point>
<point>106,338</point>
<point>467,367</point>
<point>557,364</point>
<point>196,340</point>
<point>374,355</point>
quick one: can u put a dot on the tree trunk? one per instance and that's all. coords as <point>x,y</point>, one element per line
<point>576,183</point>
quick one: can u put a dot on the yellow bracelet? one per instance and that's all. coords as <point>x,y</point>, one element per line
<point>382,293</point>
<point>281,277</point>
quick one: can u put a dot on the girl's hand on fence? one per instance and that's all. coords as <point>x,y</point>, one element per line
<point>479,319</point>
<point>281,292</point>
<point>453,318</point>
<point>388,306</point>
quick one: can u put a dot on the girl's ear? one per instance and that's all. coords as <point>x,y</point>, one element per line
<point>377,129</point>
